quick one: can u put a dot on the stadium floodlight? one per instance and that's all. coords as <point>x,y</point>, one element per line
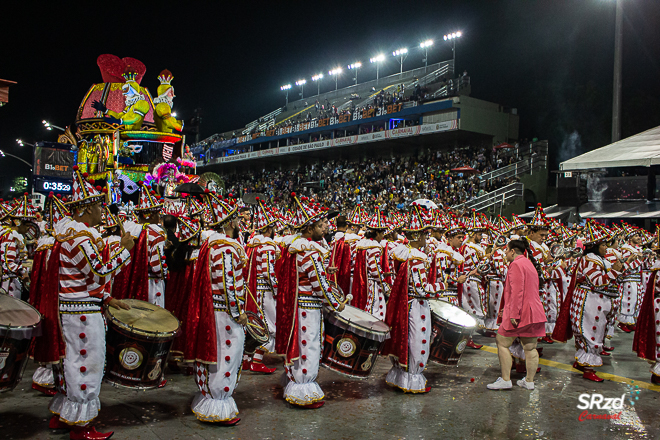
<point>301,83</point>
<point>318,78</point>
<point>174,114</point>
<point>452,38</point>
<point>22,144</point>
<point>402,54</point>
<point>50,126</point>
<point>425,45</point>
<point>356,67</point>
<point>335,72</point>
<point>286,88</point>
<point>377,59</point>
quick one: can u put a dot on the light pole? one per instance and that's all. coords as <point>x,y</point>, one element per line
<point>377,59</point>
<point>3,154</point>
<point>402,54</point>
<point>616,99</point>
<point>335,72</point>
<point>21,143</point>
<point>356,67</point>
<point>425,45</point>
<point>50,126</point>
<point>301,83</point>
<point>318,79</point>
<point>286,88</point>
<point>452,38</point>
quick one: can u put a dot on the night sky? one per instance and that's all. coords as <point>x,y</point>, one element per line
<point>552,60</point>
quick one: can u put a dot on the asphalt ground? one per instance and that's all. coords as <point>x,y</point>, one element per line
<point>458,407</point>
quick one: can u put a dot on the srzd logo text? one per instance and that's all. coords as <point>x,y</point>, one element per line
<point>591,401</point>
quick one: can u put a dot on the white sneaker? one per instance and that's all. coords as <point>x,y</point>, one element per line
<point>500,384</point>
<point>527,385</point>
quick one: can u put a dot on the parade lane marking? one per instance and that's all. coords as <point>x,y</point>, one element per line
<point>608,376</point>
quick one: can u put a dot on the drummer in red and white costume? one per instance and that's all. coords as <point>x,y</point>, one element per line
<point>538,231</point>
<point>647,336</point>
<point>300,323</point>
<point>261,280</point>
<point>369,285</point>
<point>588,305</point>
<point>408,312</point>
<point>11,243</point>
<point>473,298</point>
<point>450,260</point>
<point>83,274</point>
<point>215,332</point>
<point>146,277</point>
<point>54,211</point>
<point>341,256</point>
<point>631,287</point>
<point>497,273</point>
<point>355,221</point>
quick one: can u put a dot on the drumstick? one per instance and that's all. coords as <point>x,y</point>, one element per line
<point>348,298</point>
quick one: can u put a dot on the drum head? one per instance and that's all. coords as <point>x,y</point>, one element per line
<point>452,314</point>
<point>256,327</point>
<point>15,313</point>
<point>144,317</point>
<point>361,322</point>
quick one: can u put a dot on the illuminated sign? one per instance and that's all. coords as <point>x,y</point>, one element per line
<point>53,162</point>
<point>58,186</point>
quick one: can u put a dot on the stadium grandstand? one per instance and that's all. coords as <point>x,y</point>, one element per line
<point>415,134</point>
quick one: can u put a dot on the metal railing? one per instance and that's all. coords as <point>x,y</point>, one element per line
<point>500,197</point>
<point>534,157</point>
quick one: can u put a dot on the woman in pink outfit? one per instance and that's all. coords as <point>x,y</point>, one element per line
<point>522,314</point>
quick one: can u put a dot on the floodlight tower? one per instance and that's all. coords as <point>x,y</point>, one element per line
<point>318,79</point>
<point>451,38</point>
<point>335,72</point>
<point>301,83</point>
<point>377,59</point>
<point>402,54</point>
<point>286,89</point>
<point>356,67</point>
<point>425,45</point>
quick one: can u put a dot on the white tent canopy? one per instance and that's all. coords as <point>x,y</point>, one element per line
<point>642,149</point>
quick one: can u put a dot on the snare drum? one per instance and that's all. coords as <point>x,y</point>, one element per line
<point>256,333</point>
<point>452,327</point>
<point>352,341</point>
<point>19,324</point>
<point>138,343</point>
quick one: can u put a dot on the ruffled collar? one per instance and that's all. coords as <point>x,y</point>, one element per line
<point>304,245</point>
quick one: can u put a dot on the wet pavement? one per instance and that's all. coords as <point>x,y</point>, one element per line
<point>459,406</point>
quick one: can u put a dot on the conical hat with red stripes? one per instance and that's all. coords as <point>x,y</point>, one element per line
<point>149,201</point>
<point>538,221</point>
<point>502,225</point>
<point>377,221</point>
<point>188,228</point>
<point>83,192</point>
<point>438,220</point>
<point>219,209</point>
<point>54,211</point>
<point>418,219</point>
<point>109,220</point>
<point>475,223</point>
<point>307,211</point>
<point>454,226</point>
<point>24,209</point>
<point>517,223</point>
<point>594,233</point>
<point>263,216</point>
<point>357,216</point>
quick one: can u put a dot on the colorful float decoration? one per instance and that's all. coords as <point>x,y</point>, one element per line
<point>123,135</point>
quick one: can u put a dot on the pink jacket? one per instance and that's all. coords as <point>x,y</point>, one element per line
<point>521,295</point>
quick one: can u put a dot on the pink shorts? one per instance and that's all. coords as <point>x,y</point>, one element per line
<point>536,330</point>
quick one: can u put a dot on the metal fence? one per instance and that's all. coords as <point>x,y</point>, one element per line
<point>498,198</point>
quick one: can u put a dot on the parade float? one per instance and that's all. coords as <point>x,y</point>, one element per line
<point>123,135</point>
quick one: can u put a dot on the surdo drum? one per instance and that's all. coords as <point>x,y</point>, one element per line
<point>138,343</point>
<point>352,341</point>
<point>452,327</point>
<point>19,324</point>
<point>256,333</point>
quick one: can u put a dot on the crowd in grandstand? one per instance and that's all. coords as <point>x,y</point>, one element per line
<point>394,182</point>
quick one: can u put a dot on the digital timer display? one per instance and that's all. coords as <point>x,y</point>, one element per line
<point>46,185</point>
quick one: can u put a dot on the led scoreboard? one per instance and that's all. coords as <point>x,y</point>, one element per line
<point>53,167</point>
